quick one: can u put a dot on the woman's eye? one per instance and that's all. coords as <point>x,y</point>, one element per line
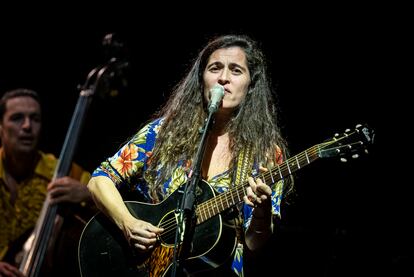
<point>237,71</point>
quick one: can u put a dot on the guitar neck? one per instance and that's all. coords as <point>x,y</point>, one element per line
<point>235,195</point>
<point>33,257</point>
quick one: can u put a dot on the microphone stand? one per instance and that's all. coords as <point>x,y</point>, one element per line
<point>186,213</point>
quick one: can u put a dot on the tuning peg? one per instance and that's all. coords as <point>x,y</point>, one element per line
<point>358,126</point>
<point>355,156</point>
<point>343,160</point>
<point>366,151</point>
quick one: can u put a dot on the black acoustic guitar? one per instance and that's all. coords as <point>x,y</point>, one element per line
<point>103,250</point>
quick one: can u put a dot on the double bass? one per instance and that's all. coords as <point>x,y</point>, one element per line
<point>97,81</point>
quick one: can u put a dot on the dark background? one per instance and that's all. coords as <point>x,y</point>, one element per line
<point>331,70</point>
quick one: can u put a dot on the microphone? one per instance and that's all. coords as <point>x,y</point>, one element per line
<point>216,95</point>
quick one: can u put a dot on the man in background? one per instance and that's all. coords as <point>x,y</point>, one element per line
<point>26,175</point>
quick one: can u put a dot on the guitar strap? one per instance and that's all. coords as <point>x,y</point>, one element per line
<point>244,165</point>
<point>243,170</point>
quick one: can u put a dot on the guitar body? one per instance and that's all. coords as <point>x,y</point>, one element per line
<point>104,251</point>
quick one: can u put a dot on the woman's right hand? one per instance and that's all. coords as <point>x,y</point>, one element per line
<point>141,234</point>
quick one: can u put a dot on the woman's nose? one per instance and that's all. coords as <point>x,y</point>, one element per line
<point>224,77</point>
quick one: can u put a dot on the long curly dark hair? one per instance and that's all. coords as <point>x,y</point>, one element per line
<point>254,123</point>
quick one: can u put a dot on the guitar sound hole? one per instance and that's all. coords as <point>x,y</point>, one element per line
<point>169,223</point>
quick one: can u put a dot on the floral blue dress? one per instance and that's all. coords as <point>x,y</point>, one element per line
<point>131,161</point>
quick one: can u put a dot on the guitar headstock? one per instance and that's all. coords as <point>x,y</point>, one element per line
<point>351,143</point>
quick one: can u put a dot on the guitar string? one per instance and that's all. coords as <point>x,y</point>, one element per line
<point>308,155</point>
<point>170,225</point>
<point>209,203</point>
<point>33,258</point>
<point>296,162</point>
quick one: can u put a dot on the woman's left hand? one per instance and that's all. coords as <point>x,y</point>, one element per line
<point>258,193</point>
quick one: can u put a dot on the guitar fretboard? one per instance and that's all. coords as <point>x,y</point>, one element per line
<point>235,195</point>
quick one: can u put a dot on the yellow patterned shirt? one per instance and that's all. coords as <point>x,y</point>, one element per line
<point>19,219</point>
